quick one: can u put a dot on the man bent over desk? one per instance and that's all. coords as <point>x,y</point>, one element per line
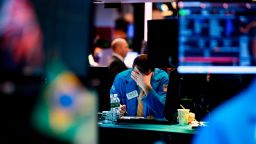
<point>141,90</point>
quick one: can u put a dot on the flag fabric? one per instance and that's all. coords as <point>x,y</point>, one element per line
<point>67,110</point>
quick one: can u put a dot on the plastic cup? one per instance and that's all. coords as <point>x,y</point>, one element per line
<point>183,115</point>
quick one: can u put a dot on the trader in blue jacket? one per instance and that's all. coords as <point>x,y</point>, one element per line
<point>142,89</point>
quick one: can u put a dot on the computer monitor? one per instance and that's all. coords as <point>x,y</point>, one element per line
<point>162,42</point>
<point>213,37</point>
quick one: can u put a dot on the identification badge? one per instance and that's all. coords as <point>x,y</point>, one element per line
<point>132,94</point>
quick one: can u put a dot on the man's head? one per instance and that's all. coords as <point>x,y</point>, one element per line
<point>120,46</point>
<point>142,64</point>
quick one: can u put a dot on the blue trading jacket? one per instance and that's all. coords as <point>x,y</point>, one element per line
<point>233,122</point>
<point>128,92</point>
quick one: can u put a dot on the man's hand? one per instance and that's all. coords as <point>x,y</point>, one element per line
<point>143,81</point>
<point>122,110</point>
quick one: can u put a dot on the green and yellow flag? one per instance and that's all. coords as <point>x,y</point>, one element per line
<point>66,110</point>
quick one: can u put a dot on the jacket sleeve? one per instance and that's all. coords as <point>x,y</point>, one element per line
<point>212,134</point>
<point>156,97</point>
<point>118,88</point>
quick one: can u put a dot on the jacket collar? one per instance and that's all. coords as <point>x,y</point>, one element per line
<point>118,56</point>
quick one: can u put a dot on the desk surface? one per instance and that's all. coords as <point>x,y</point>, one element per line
<point>152,127</point>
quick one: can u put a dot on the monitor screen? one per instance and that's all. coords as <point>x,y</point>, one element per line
<point>162,42</point>
<point>214,37</point>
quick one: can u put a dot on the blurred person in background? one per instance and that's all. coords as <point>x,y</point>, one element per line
<point>95,56</point>
<point>21,38</point>
<point>21,60</point>
<point>250,28</point>
<point>120,50</point>
<point>121,26</point>
<point>141,89</point>
<point>234,122</point>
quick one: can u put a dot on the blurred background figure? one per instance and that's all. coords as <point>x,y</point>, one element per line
<point>21,60</point>
<point>120,49</point>
<point>21,38</point>
<point>121,27</point>
<point>250,28</point>
<point>97,52</point>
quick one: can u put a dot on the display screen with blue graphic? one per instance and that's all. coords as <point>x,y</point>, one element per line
<point>217,37</point>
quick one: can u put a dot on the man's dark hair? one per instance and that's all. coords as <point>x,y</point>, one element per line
<point>143,64</point>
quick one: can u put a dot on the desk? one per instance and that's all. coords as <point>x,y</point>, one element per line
<point>145,133</point>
